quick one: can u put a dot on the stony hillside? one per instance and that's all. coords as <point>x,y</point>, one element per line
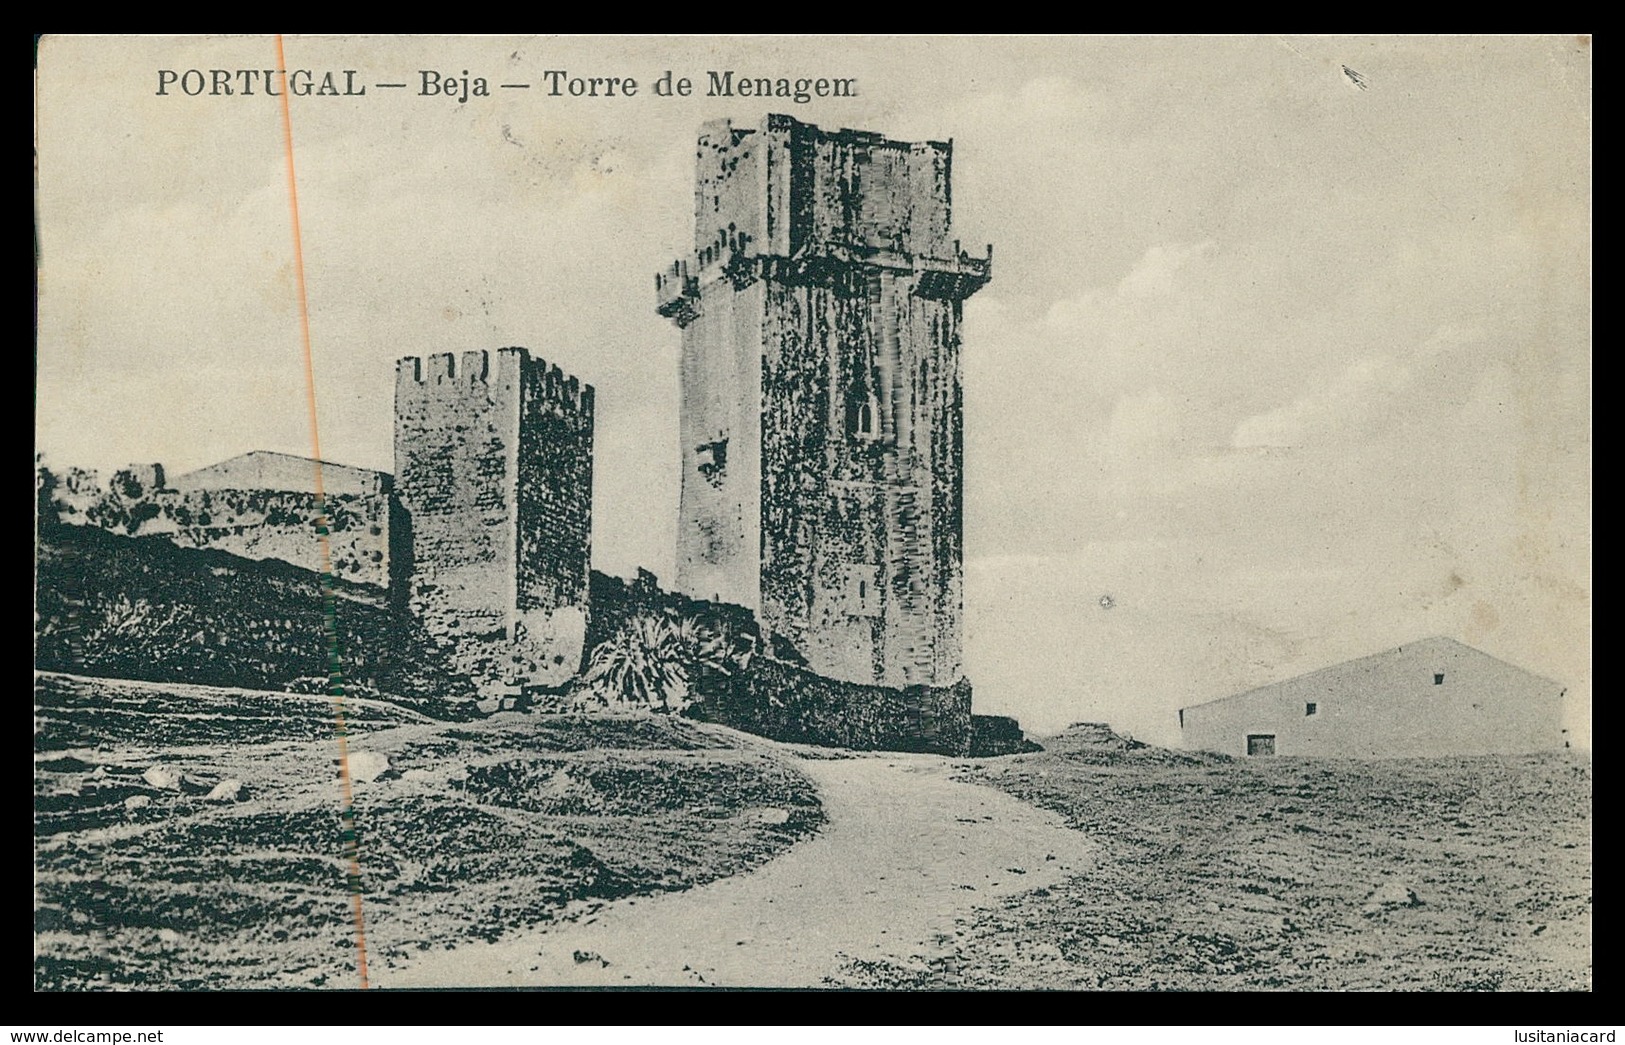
<point>190,838</point>
<point>142,608</point>
<point>1223,874</point>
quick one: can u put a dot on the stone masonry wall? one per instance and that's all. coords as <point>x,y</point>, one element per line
<point>252,521</point>
<point>493,473</point>
<point>267,524</point>
<point>821,318</point>
<point>789,703</point>
<point>456,443</point>
<point>861,483</point>
<point>553,522</point>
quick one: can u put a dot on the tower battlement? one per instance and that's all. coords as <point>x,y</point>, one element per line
<point>474,367</point>
<point>512,367</point>
<point>797,203</point>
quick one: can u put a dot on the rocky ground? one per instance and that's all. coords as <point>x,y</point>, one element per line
<point>1102,864</point>
<point>188,837</point>
<point>905,854</point>
<point>1288,874</point>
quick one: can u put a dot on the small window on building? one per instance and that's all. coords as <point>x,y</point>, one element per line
<point>1260,744</point>
<point>1438,678</point>
<point>863,416</point>
<point>1310,708</point>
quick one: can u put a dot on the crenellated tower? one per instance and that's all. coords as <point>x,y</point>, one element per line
<point>493,472</point>
<point>821,418</point>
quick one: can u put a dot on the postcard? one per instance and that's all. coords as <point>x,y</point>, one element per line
<point>928,512</point>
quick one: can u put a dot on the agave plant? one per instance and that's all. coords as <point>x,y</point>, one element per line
<point>712,650</point>
<point>641,665</point>
<point>659,661</point>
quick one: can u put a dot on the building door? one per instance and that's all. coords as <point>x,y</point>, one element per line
<point>1261,743</point>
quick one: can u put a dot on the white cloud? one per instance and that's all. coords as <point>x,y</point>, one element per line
<point>1353,398</point>
<point>1364,393</point>
<point>1155,273</point>
<point>1127,305</point>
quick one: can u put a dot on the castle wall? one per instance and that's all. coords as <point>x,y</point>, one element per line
<point>143,608</point>
<point>732,170</point>
<point>787,701</point>
<point>795,705</point>
<point>553,522</point>
<point>862,561</point>
<point>861,189</point>
<point>616,602</point>
<point>267,470</point>
<point>720,428</point>
<point>789,186</point>
<point>795,488</point>
<point>238,508</point>
<point>278,524</point>
<point>456,473</point>
<point>994,735</point>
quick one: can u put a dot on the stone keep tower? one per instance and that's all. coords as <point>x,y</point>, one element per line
<point>493,470</point>
<point>821,417</point>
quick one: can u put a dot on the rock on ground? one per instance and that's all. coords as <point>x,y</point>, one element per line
<point>227,791</point>
<point>163,777</point>
<point>366,766</point>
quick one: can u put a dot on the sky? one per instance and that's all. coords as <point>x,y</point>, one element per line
<point>1286,358</point>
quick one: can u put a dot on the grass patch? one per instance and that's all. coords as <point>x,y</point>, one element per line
<point>1294,874</point>
<point>478,829</point>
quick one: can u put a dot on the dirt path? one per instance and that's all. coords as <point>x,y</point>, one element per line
<point>905,852</point>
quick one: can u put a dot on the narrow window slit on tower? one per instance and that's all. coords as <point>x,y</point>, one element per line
<point>860,416</point>
<point>861,596</point>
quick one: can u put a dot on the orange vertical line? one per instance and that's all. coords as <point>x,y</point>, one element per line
<point>352,847</point>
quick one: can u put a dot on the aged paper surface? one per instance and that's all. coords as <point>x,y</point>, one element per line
<point>1284,361</point>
